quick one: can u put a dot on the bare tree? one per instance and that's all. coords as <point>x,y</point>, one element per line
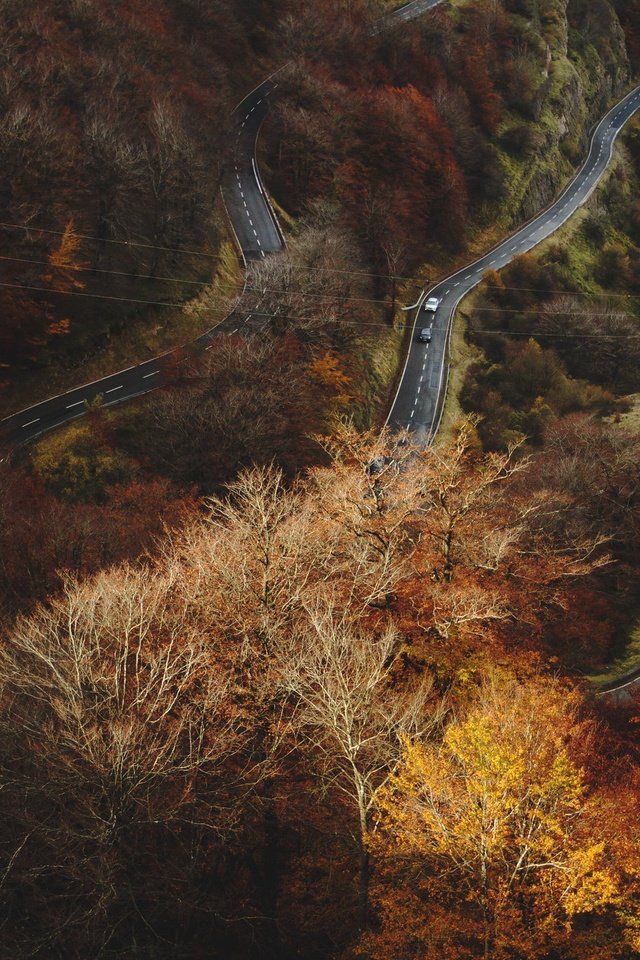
<point>251,560</point>
<point>308,287</point>
<point>461,489</point>
<point>115,728</point>
<point>117,166</point>
<point>352,708</point>
<point>369,496</point>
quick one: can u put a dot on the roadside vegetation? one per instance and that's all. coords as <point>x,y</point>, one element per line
<point>559,331</point>
<point>559,326</point>
<point>275,684</point>
<point>326,721</point>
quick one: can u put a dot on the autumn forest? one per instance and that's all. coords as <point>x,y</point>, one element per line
<point>279,681</point>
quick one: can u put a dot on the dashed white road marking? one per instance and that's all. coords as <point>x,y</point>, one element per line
<point>76,404</point>
<point>30,422</point>
<point>113,389</point>
<point>152,374</point>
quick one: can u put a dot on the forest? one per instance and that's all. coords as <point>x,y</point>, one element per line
<point>277,682</point>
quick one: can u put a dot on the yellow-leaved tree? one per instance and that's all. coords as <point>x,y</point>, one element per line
<point>488,842</point>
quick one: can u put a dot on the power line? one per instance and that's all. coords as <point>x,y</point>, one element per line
<point>92,296</point>
<point>201,283</point>
<point>197,253</point>
<point>564,336</point>
<point>551,314</point>
<point>123,243</point>
<point>154,303</point>
<point>499,330</point>
<point>471,310</point>
<point>115,273</point>
<point>357,273</point>
<point>337,320</point>
<point>569,293</point>
<point>316,296</point>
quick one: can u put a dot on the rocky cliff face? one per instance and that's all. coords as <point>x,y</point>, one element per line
<point>587,66</point>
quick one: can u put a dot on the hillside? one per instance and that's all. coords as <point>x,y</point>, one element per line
<point>276,683</point>
<point>488,107</point>
<point>114,131</point>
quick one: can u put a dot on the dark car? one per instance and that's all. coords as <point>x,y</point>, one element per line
<point>425,334</point>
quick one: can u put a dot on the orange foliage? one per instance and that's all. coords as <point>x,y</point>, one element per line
<point>65,263</point>
<point>327,371</point>
<point>489,842</point>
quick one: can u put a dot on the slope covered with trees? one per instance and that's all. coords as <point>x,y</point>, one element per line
<point>409,142</point>
<point>288,735</point>
<point>113,135</point>
<point>331,709</point>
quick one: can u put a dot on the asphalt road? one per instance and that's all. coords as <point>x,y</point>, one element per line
<point>420,396</point>
<point>254,221</point>
<point>124,385</point>
<point>258,234</point>
<point>403,14</point>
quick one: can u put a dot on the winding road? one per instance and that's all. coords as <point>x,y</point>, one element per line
<point>255,224</point>
<point>421,393</point>
<point>422,389</point>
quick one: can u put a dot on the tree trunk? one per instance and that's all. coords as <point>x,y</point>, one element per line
<point>363,886</point>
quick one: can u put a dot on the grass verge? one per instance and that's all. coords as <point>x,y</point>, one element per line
<point>625,663</point>
<point>462,354</point>
<point>144,336</point>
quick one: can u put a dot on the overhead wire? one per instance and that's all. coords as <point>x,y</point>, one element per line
<point>329,296</point>
<point>125,243</point>
<point>28,228</point>
<point>571,293</point>
<point>340,320</point>
<point>92,296</point>
<point>507,333</point>
<point>272,290</point>
<point>305,294</point>
<point>311,269</point>
<point>317,296</point>
<point>114,273</point>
